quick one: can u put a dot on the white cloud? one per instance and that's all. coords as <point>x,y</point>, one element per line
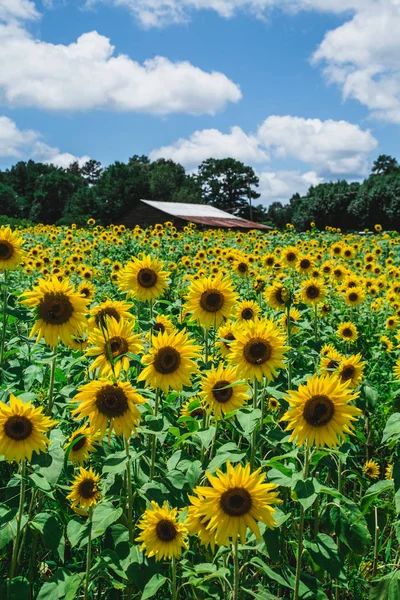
<point>213,143</point>
<point>25,144</point>
<point>87,74</point>
<point>281,185</point>
<point>330,147</point>
<point>11,10</point>
<point>362,56</point>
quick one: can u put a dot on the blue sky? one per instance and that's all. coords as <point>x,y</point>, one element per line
<point>304,93</point>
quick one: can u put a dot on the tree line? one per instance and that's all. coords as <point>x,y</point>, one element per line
<point>45,193</point>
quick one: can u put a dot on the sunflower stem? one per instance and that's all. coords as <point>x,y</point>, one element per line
<point>129,491</point>
<point>154,439</point>
<point>52,379</point>
<point>236,569</point>
<point>300,534</point>
<point>376,543</point>
<point>3,334</point>
<point>289,337</point>
<point>19,521</point>
<point>254,433</point>
<point>174,588</point>
<point>205,345</point>
<point>88,555</point>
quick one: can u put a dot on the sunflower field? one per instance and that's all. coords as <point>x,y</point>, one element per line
<point>199,414</point>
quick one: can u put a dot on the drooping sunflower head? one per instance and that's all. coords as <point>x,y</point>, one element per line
<point>162,534</point>
<point>246,310</point>
<point>11,253</point>
<point>258,349</point>
<point>170,362</point>
<point>59,310</point>
<point>112,344</point>
<point>144,278</point>
<point>80,444</point>
<point>193,408</point>
<point>225,337</point>
<point>222,391</point>
<point>23,430</point>
<point>320,413</point>
<point>114,309</point>
<point>371,469</point>
<point>277,296</point>
<point>236,500</point>
<point>211,300</point>
<point>351,369</point>
<point>109,404</point>
<point>348,332</point>
<point>85,489</point>
<point>313,291</point>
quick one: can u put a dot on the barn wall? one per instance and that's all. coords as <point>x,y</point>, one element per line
<point>144,215</point>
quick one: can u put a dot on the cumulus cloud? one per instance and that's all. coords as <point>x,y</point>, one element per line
<point>13,10</point>
<point>213,143</point>
<point>87,74</point>
<point>25,144</point>
<point>331,147</point>
<point>362,56</point>
<point>279,186</point>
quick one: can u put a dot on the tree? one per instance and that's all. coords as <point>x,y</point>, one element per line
<point>52,194</point>
<point>190,191</point>
<point>166,179</point>
<point>91,171</point>
<point>227,184</point>
<point>8,201</point>
<point>385,164</point>
<point>82,205</point>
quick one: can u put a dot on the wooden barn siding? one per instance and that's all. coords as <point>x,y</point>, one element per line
<point>144,215</point>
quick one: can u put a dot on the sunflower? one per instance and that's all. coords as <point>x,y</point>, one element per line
<point>22,430</point>
<point>312,291</point>
<point>162,324</point>
<point>387,343</point>
<point>258,350</point>
<point>221,390</point>
<point>277,296</point>
<point>225,337</point>
<point>330,360</point>
<point>354,296</point>
<point>305,264</point>
<point>389,471</point>
<point>192,408</point>
<point>80,443</point>
<point>241,267</point>
<point>351,369</point>
<point>246,310</point>
<point>273,404</point>
<point>290,255</point>
<point>111,345</point>
<point>320,412</point>
<point>170,362</point>
<point>144,279</point>
<point>85,489</point>
<point>196,523</point>
<point>392,322</point>
<point>236,501</point>
<point>109,308</point>
<point>11,252</point>
<point>347,332</point>
<point>396,369</point>
<point>87,290</point>
<point>210,300</point>
<point>60,311</point>
<point>162,536</point>
<point>108,403</point>
<point>371,469</point>
<point>294,317</point>
<point>78,342</point>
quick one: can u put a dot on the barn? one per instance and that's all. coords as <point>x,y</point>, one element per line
<point>151,212</point>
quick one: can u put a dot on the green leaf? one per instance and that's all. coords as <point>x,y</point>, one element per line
<point>152,586</point>
<point>306,492</point>
<point>50,464</point>
<point>19,589</point>
<point>226,452</point>
<point>115,463</point>
<point>104,515</point>
<point>63,584</point>
<point>351,527</point>
<point>52,532</point>
<point>7,514</point>
<point>248,419</point>
<point>206,436</point>
<point>373,492</point>
<point>324,553</point>
<point>269,572</point>
<point>40,482</point>
<point>77,532</point>
<point>386,588</point>
<point>396,479</point>
<point>9,531</point>
<point>391,433</point>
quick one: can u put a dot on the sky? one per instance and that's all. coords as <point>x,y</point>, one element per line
<point>305,91</point>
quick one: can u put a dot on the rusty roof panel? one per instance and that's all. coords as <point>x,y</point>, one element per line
<point>224,222</point>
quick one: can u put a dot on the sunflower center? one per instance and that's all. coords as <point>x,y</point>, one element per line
<point>147,278</point>
<point>290,257</point>
<point>247,314</point>
<point>305,263</point>
<point>279,296</point>
<point>6,250</point>
<point>118,345</point>
<point>312,292</point>
<point>166,530</point>
<point>236,502</point>
<point>79,444</point>
<point>167,360</point>
<point>55,308</point>
<point>212,300</point>
<point>111,401</point>
<point>107,312</point>
<point>85,292</point>
<point>347,332</point>
<point>221,392</point>
<point>159,327</point>
<point>347,373</point>
<point>257,351</point>
<point>229,336</point>
<point>18,428</point>
<point>87,488</point>
<point>269,262</point>
<point>332,364</point>
<point>353,297</point>
<point>242,267</point>
<point>318,410</point>
<point>197,412</point>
